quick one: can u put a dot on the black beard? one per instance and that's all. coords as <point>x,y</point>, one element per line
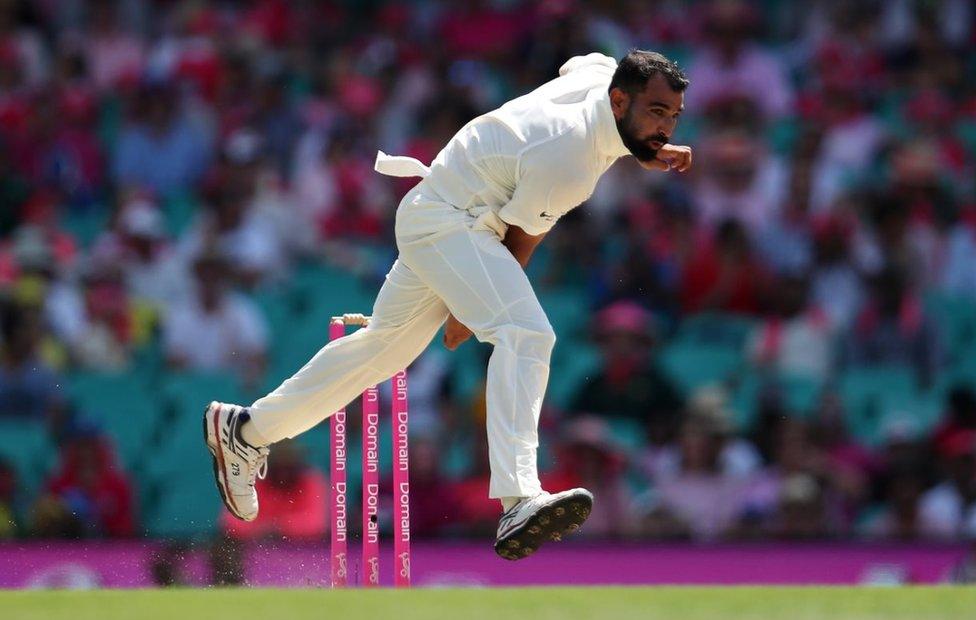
<point>638,148</point>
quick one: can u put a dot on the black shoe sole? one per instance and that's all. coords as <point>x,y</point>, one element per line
<point>551,523</point>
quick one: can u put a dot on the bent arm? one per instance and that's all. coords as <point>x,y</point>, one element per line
<point>521,244</point>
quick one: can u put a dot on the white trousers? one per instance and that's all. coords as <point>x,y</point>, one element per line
<point>463,269</point>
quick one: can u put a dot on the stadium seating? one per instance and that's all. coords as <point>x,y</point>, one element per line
<point>27,446</point>
<point>573,361</point>
<point>715,329</point>
<point>871,393</point>
<point>122,405</point>
<point>692,366</point>
<point>178,490</point>
<point>798,395</point>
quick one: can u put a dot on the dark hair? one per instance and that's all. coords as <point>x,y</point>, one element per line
<point>638,66</point>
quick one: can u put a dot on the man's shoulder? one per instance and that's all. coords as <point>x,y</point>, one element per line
<point>536,120</point>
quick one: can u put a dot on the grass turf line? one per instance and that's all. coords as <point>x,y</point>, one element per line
<point>652,603</point>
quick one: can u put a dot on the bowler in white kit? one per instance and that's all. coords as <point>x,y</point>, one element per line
<point>465,233</point>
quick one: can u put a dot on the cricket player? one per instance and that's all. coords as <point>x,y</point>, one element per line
<point>465,233</point>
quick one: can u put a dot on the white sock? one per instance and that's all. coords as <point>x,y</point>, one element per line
<point>508,502</point>
<point>250,434</point>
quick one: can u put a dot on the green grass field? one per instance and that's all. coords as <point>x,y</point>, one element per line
<point>915,603</point>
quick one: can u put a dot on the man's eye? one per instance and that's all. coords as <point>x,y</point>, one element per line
<point>657,112</point>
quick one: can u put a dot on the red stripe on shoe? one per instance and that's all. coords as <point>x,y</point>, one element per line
<point>221,466</point>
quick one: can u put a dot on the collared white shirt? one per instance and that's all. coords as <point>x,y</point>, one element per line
<point>528,162</point>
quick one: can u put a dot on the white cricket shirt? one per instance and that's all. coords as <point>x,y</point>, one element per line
<point>526,163</point>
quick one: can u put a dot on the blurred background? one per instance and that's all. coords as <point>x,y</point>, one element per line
<point>779,345</point>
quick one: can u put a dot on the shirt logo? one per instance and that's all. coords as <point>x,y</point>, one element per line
<point>549,217</point>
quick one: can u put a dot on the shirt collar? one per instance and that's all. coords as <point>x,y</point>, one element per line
<point>608,141</point>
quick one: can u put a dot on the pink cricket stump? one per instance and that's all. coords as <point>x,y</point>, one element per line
<point>371,487</point>
<point>338,504</point>
<point>401,483</point>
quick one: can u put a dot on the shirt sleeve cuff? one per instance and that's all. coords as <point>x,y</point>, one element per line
<point>532,229</point>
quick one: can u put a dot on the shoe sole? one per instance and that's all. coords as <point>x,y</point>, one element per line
<point>217,458</point>
<point>552,522</point>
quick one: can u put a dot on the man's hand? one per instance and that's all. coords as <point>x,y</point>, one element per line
<point>455,333</point>
<point>672,157</point>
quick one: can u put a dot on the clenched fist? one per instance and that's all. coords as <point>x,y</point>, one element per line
<point>672,157</point>
<point>455,333</point>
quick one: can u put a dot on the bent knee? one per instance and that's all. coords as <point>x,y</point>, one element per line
<point>535,340</point>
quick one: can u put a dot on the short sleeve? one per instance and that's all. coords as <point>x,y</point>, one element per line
<point>549,185</point>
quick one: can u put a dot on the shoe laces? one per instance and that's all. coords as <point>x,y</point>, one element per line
<point>259,469</point>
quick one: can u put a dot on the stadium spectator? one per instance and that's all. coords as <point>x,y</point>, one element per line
<point>656,238</point>
<point>14,191</point>
<point>897,516</point>
<point>708,408</point>
<point>959,418</point>
<point>946,508</point>
<point>959,275</point>
<point>161,147</point>
<point>113,54</point>
<point>589,456</point>
<point>848,465</point>
<point>801,514</point>
<point>786,243</point>
<point>796,340</point>
<point>155,274</point>
<point>700,493</point>
<point>247,162</point>
<point>231,226</point>
<point>894,328</point>
<point>733,66</point>
<point>738,179</point>
<point>850,136</point>
<point>29,388</point>
<point>791,455</point>
<point>89,495</point>
<point>628,383</point>
<point>277,119</point>
<point>20,30</point>
<point>108,323</point>
<point>338,192</point>
<point>835,283</point>
<point>214,328</point>
<point>724,275</point>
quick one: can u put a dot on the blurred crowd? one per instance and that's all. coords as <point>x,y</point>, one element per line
<point>164,162</point>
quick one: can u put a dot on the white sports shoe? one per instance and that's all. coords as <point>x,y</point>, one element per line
<point>534,520</point>
<point>236,464</point>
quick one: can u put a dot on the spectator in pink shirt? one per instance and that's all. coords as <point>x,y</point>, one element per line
<point>732,64</point>
<point>113,54</point>
<point>702,493</point>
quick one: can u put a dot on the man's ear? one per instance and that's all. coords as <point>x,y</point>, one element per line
<point>619,102</point>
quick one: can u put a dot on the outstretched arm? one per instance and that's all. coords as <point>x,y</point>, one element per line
<point>521,244</point>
